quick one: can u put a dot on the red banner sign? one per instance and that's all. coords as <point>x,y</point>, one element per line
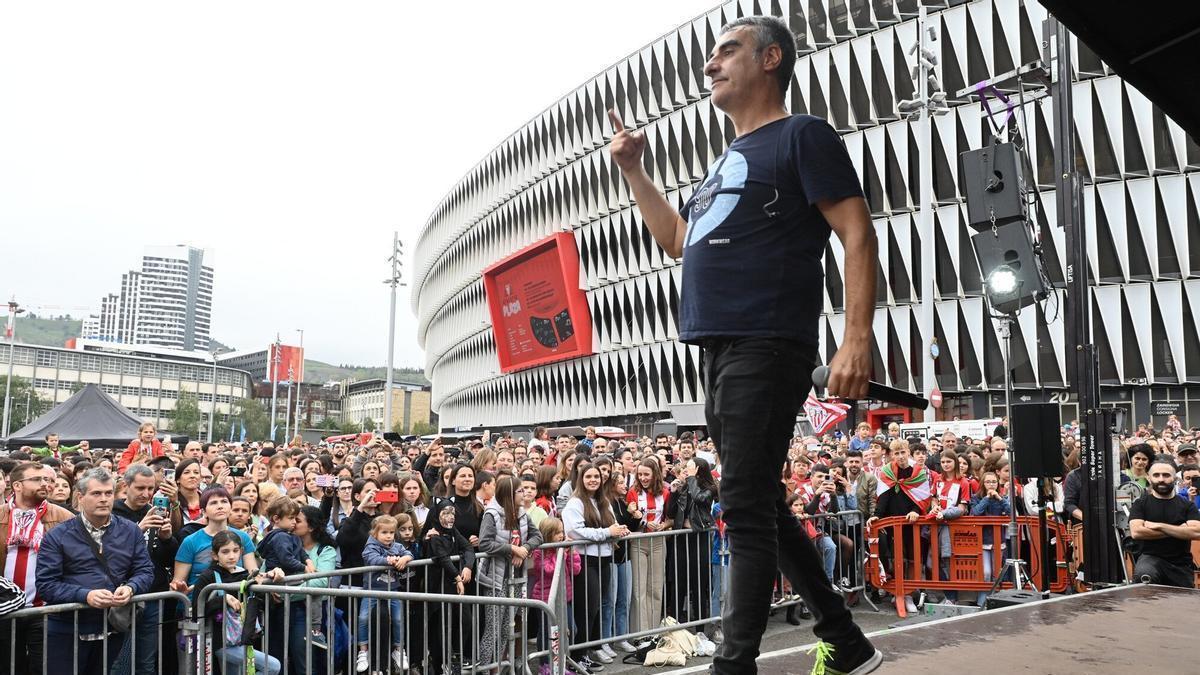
<point>539,313</point>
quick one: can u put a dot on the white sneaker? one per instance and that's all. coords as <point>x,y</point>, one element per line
<point>400,658</point>
<point>599,655</point>
<point>607,649</point>
<point>910,605</point>
<point>626,646</point>
<point>361,662</point>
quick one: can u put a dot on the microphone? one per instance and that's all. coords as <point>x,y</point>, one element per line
<point>882,392</point>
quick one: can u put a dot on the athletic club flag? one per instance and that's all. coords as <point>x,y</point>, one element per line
<point>822,415</point>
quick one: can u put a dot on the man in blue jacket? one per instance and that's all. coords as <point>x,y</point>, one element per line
<point>69,571</point>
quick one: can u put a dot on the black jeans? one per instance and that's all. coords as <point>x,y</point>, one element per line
<point>1163,572</point>
<point>689,577</point>
<point>754,388</point>
<point>21,646</point>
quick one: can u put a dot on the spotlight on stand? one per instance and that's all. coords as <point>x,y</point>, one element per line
<point>1010,269</point>
<point>1002,281</point>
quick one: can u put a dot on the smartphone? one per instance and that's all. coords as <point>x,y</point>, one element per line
<point>237,471</point>
<point>331,481</point>
<point>168,474</point>
<point>161,502</point>
<point>387,497</point>
<point>1196,482</point>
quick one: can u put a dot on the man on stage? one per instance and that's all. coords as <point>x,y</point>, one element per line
<point>753,239</point>
<point>1165,524</point>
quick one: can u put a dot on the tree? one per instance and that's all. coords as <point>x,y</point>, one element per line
<point>349,427</point>
<point>25,405</point>
<point>368,424</point>
<point>423,428</point>
<point>185,418</point>
<point>251,413</point>
<point>329,424</point>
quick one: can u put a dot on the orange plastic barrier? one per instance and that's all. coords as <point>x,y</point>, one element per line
<point>966,571</point>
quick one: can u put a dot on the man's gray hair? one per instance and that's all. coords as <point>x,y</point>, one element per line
<point>770,30</point>
<point>85,481</point>
<point>136,470</point>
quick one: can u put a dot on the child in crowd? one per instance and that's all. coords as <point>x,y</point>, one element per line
<point>989,502</point>
<point>508,536</point>
<point>226,569</point>
<point>444,543</point>
<point>383,549</point>
<point>545,561</point>
<point>280,548</point>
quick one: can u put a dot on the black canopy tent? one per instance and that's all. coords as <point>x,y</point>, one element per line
<point>90,415</point>
<point>1152,46</point>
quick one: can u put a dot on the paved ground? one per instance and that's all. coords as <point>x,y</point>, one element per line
<point>781,635</point>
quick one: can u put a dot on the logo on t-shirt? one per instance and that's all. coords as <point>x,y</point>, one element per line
<point>717,198</point>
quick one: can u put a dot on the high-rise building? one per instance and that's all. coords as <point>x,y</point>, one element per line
<point>167,303</point>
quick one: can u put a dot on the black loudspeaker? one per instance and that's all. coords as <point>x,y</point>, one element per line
<point>1010,245</point>
<point>1011,597</point>
<point>994,183</point>
<point>1036,445</point>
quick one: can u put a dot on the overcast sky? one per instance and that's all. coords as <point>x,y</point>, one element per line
<point>290,137</point>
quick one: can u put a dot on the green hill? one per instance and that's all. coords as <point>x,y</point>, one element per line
<point>50,332</point>
<point>318,371</point>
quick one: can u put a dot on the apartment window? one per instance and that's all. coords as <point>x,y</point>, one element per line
<point>204,397</point>
<point>152,369</point>
<point>43,383</point>
<point>23,356</point>
<point>167,393</point>
<point>170,371</point>
<point>89,362</point>
<point>64,385</point>
<point>189,373</point>
<point>112,365</point>
<point>47,358</point>
<point>111,389</point>
<point>133,367</point>
<point>70,361</point>
<point>131,391</point>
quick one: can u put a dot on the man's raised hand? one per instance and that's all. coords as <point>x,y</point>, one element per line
<point>627,146</point>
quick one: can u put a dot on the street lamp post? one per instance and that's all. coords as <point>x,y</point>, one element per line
<point>929,101</point>
<point>13,310</point>
<point>212,407</point>
<point>274,366</point>
<point>300,376</point>
<point>393,281</point>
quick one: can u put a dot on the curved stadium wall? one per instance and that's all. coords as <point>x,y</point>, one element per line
<point>555,174</point>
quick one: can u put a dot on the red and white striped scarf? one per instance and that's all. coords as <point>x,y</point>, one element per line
<point>24,538</point>
<point>650,504</point>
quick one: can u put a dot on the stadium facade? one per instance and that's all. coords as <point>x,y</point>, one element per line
<point>555,174</point>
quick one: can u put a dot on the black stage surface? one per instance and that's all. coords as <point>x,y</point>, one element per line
<point>1129,629</point>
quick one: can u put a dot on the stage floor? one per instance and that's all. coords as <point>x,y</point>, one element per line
<point>1119,630</point>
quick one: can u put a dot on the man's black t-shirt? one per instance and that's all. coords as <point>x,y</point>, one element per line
<point>1173,511</point>
<point>752,256</point>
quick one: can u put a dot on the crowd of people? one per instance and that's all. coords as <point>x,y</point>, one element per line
<point>641,517</point>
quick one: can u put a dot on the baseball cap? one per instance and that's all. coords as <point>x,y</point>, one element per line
<point>1187,449</point>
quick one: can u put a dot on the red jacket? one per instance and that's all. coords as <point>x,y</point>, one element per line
<point>156,450</point>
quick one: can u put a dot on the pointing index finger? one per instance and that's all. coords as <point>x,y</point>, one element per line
<point>618,127</point>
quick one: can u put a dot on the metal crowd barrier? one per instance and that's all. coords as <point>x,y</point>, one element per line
<point>147,648</point>
<point>674,573</point>
<point>439,629</point>
<point>905,557</point>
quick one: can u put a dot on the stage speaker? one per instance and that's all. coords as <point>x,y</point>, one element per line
<point>1011,597</point>
<point>994,184</point>
<point>1036,445</point>
<point>1009,248</point>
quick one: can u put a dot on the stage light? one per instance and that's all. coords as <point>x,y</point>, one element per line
<point>1002,280</point>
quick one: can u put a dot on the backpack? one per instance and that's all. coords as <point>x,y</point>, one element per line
<point>244,627</point>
